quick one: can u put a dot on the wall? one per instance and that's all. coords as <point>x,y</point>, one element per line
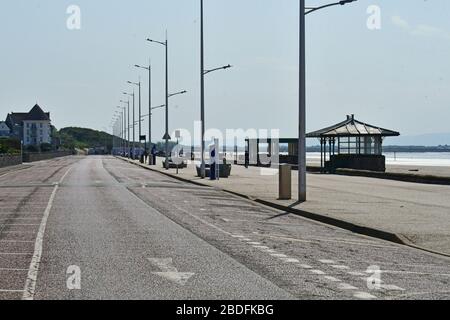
<point>10,160</point>
<point>32,157</point>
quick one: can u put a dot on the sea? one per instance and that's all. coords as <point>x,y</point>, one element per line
<point>429,159</point>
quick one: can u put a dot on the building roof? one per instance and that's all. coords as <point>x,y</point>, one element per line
<point>36,113</point>
<point>351,128</point>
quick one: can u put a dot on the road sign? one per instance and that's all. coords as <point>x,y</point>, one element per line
<point>143,138</point>
<point>167,137</point>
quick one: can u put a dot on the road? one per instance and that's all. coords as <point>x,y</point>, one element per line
<point>101,228</point>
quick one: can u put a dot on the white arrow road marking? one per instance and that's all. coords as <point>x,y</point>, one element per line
<point>169,272</point>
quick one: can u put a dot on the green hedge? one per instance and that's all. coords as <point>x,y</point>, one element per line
<point>9,146</point>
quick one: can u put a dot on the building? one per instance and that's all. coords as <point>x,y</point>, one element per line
<point>352,144</point>
<point>4,129</point>
<point>33,128</point>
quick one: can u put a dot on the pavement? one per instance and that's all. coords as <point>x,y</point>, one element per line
<point>100,228</point>
<point>411,213</point>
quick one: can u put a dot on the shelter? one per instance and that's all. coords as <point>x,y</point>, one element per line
<point>352,144</point>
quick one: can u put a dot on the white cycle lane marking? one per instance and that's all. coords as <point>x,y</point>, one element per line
<point>30,285</point>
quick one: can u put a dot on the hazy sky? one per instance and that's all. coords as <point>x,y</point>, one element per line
<point>396,77</point>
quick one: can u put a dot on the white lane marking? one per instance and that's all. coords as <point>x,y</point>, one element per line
<point>357,274</point>
<point>319,272</point>
<point>245,239</point>
<point>15,254</point>
<point>169,271</point>
<point>14,241</point>
<point>270,251</point>
<point>332,279</point>
<point>290,260</point>
<point>30,285</point>
<point>346,286</point>
<point>341,267</point>
<point>310,240</point>
<point>305,266</point>
<point>363,295</point>
<point>237,236</point>
<point>417,272</point>
<point>391,287</point>
<point>327,261</point>
<point>279,255</point>
<point>225,220</point>
<point>255,243</point>
<point>11,291</point>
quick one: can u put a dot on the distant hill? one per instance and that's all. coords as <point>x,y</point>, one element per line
<point>82,138</point>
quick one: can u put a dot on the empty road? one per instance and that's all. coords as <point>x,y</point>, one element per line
<point>101,228</point>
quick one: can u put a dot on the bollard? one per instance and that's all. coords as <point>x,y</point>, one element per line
<point>285,182</point>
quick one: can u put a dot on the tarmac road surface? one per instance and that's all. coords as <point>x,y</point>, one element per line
<point>101,228</point>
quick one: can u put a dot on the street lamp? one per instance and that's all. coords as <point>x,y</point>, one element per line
<point>128,117</point>
<point>302,96</point>
<point>309,10</point>
<point>149,69</point>
<point>138,84</point>
<point>123,126</point>
<point>166,135</point>
<point>203,72</point>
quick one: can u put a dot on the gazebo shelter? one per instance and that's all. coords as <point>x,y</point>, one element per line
<point>352,144</point>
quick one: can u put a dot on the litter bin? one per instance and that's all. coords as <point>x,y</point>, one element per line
<point>285,182</point>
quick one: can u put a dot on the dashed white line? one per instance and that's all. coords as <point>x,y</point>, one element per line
<point>341,267</point>
<point>278,255</point>
<point>290,260</point>
<point>391,287</point>
<point>319,272</point>
<point>346,286</point>
<point>332,279</point>
<point>357,274</point>
<point>305,266</point>
<point>327,261</point>
<point>363,295</point>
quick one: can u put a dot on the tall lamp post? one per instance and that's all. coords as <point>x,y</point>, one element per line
<point>128,122</point>
<point>133,124</point>
<point>302,96</point>
<point>138,84</point>
<point>149,69</point>
<point>166,135</point>
<point>123,125</point>
<point>203,72</point>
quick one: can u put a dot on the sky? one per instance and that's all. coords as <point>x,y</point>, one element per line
<point>396,76</point>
